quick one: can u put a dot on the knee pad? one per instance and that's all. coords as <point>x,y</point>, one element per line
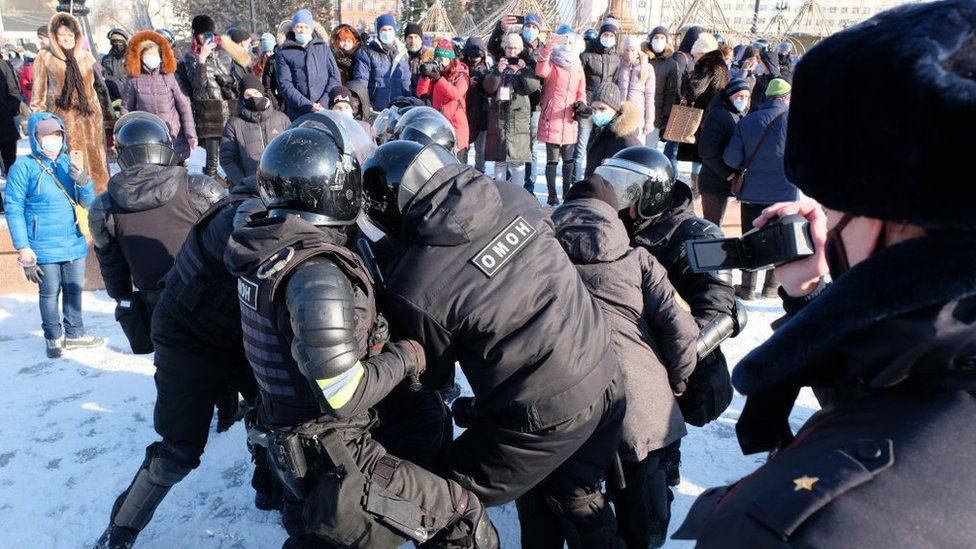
<point>569,162</point>
<point>136,506</point>
<point>552,163</point>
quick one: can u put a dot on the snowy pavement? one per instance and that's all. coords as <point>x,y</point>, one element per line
<point>74,430</point>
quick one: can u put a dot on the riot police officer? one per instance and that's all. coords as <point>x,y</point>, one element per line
<point>658,215</point>
<point>482,281</point>
<point>312,336</point>
<point>140,222</point>
<point>419,124</point>
<point>200,363</point>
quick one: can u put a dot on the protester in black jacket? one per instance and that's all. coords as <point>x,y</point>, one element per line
<point>536,350</point>
<point>140,222</point>
<point>765,70</point>
<point>9,108</point>
<point>889,345</point>
<point>709,78</point>
<point>600,64</point>
<point>714,181</point>
<point>667,79</point>
<point>113,66</point>
<point>476,58</point>
<point>615,122</point>
<point>249,132</point>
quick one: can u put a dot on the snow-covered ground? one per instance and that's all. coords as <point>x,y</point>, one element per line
<point>74,430</point>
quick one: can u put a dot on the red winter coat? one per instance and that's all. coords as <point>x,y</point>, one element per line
<point>449,99</point>
<point>563,87</point>
<point>27,80</point>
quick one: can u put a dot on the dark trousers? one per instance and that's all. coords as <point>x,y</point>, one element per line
<point>553,154</point>
<point>643,507</point>
<point>212,146</point>
<point>8,153</point>
<point>713,206</point>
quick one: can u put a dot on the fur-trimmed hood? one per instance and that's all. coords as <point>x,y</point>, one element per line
<point>627,121</point>
<point>74,25</point>
<point>666,54</point>
<point>240,55</point>
<point>133,59</point>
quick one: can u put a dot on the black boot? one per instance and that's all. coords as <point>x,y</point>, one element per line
<point>230,410</point>
<point>747,290</point>
<point>770,286</point>
<point>551,183</point>
<point>116,537</point>
<point>568,167</point>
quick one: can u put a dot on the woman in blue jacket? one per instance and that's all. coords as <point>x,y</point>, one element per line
<point>383,65</point>
<point>51,247</point>
<point>305,67</point>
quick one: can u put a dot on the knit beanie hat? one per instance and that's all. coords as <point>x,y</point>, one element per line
<point>533,19</point>
<point>385,20</point>
<point>42,31</point>
<point>735,86</point>
<point>303,16</point>
<point>444,49</point>
<point>658,30</point>
<point>778,87</point>
<point>238,35</point>
<point>609,26</point>
<point>202,24</point>
<point>47,127</point>
<point>250,82</point>
<point>413,28</point>
<point>608,93</point>
<point>513,39</point>
<point>596,187</point>
<point>267,42</point>
<point>631,41</point>
<point>706,42</point>
<point>340,94</point>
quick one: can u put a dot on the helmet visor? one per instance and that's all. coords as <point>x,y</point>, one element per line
<point>627,184</point>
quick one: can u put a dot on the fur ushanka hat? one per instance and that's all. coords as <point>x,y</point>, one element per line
<point>892,148</point>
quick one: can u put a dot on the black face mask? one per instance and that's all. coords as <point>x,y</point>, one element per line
<point>118,48</point>
<point>257,104</point>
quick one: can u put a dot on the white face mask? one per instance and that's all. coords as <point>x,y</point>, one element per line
<point>52,143</point>
<point>657,44</point>
<point>151,61</point>
<point>608,42</point>
<point>740,104</point>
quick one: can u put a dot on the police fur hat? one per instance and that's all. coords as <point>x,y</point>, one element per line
<point>891,151</point>
<point>201,24</point>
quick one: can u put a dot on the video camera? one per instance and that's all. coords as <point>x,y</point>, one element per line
<point>781,241</point>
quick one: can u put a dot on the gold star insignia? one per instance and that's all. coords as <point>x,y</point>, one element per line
<point>805,483</point>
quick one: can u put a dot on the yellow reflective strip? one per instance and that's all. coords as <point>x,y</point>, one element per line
<point>343,395</point>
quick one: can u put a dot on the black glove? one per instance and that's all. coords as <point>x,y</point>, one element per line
<point>435,74</point>
<point>412,355</point>
<point>581,111</point>
<point>34,274</point>
<point>464,411</point>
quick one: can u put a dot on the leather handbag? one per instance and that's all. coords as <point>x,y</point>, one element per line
<point>683,124</point>
<point>740,178</point>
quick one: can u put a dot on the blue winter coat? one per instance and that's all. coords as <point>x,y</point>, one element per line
<point>39,216</point>
<point>305,75</point>
<point>766,181</point>
<point>372,68</point>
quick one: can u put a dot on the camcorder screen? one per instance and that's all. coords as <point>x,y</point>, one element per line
<point>717,254</point>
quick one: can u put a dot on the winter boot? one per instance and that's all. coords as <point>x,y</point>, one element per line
<point>551,183</point>
<point>770,287</point>
<point>568,167</point>
<point>747,290</point>
<point>83,342</point>
<point>116,537</point>
<point>230,410</point>
<point>55,347</point>
<point>671,456</point>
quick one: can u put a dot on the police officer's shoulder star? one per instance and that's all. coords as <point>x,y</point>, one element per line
<point>804,483</point>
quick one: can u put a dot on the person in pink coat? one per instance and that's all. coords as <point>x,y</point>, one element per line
<point>563,103</point>
<point>635,78</point>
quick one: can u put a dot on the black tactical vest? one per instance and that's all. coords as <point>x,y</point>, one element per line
<point>287,396</point>
<point>150,239</point>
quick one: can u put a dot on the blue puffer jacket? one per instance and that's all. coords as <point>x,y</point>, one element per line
<point>39,216</point>
<point>372,68</point>
<point>766,181</point>
<point>305,75</point>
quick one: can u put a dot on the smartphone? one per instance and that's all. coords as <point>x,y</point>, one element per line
<point>208,37</point>
<point>519,19</point>
<point>77,159</point>
<point>512,60</point>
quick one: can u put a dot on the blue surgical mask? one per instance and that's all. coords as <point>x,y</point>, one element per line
<point>52,143</point>
<point>740,104</point>
<point>530,34</point>
<point>602,118</point>
<point>303,38</point>
<point>387,37</point>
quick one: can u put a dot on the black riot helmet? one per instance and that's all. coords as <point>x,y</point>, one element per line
<point>642,175</point>
<point>311,171</point>
<point>382,174</point>
<point>143,138</point>
<point>425,125</point>
<point>428,161</point>
<point>589,35</point>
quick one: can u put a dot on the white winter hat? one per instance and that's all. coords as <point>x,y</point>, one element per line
<point>706,42</point>
<point>513,39</point>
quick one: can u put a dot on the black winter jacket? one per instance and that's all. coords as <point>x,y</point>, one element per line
<point>667,81</point>
<point>654,338</point>
<point>716,131</point>
<point>470,287</point>
<point>616,136</point>
<point>600,65</point>
<point>884,464</point>
<point>708,80</point>
<point>9,105</point>
<point>140,222</point>
<point>245,138</point>
<point>113,71</point>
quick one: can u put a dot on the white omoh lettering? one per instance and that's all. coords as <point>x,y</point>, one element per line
<point>512,239</point>
<point>500,249</point>
<point>523,228</point>
<point>488,261</point>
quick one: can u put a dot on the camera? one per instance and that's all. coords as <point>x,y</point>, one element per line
<point>781,241</point>
<point>428,68</point>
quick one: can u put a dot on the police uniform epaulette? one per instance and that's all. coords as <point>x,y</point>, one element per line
<point>808,486</point>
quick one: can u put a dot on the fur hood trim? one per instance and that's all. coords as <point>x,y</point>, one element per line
<point>133,61</point>
<point>666,54</point>
<point>627,121</point>
<point>72,22</point>
<point>240,55</point>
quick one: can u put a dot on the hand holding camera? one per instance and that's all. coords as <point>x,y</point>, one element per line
<point>801,277</point>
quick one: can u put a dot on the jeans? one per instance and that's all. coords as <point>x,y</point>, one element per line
<point>502,169</point>
<point>479,151</point>
<point>69,277</point>
<point>579,153</point>
<point>530,166</point>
